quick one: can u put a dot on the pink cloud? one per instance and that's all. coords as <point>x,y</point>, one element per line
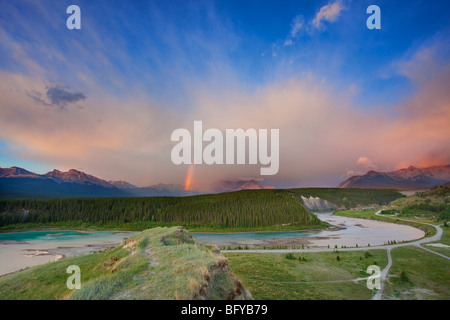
<point>329,12</point>
<point>321,132</point>
<point>365,162</point>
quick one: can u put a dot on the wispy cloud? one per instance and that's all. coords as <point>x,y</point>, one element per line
<point>123,131</point>
<point>329,12</point>
<point>296,26</point>
<point>116,142</point>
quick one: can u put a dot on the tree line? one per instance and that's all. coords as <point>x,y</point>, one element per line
<point>350,198</point>
<point>242,209</point>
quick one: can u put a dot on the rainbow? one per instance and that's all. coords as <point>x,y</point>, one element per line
<point>188,179</point>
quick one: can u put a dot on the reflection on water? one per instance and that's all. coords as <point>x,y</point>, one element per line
<point>26,249</point>
<point>350,232</point>
<point>55,235</point>
<point>246,236</point>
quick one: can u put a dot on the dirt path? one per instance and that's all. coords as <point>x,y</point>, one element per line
<point>384,273</point>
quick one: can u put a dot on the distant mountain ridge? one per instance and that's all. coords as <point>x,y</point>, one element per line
<point>77,177</point>
<point>17,182</point>
<point>227,185</point>
<point>122,184</point>
<point>410,178</point>
<point>16,172</point>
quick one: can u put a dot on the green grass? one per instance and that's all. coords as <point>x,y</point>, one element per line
<point>444,240</point>
<point>272,276</point>
<point>161,263</point>
<point>362,214</point>
<point>445,236</point>
<point>428,275</point>
<point>48,281</point>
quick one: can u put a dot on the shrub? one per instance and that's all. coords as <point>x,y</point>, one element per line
<point>290,256</point>
<point>404,277</point>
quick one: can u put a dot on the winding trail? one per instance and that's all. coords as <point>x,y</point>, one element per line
<point>383,276</point>
<point>384,273</point>
<point>302,282</point>
<point>435,237</point>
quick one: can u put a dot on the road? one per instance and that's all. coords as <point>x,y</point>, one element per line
<point>385,272</point>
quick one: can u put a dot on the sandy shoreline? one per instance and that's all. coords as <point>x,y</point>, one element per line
<point>18,255</point>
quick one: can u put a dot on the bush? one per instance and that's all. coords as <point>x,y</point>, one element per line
<point>404,277</point>
<point>290,256</point>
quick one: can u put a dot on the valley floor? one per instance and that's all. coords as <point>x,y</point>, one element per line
<point>413,270</point>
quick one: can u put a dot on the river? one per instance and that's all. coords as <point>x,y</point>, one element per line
<point>27,249</point>
<point>349,232</point>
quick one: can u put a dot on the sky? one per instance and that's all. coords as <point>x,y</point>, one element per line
<point>105,99</point>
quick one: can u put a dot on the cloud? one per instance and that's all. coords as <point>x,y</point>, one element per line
<point>366,162</point>
<point>133,142</point>
<point>351,173</point>
<point>296,26</point>
<point>329,12</point>
<point>127,136</point>
<point>61,96</point>
<point>38,98</point>
<point>58,95</point>
<point>109,138</point>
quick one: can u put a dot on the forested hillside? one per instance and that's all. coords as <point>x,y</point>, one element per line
<point>349,198</point>
<point>433,204</point>
<point>236,210</point>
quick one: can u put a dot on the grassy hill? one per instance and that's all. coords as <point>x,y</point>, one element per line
<point>433,204</point>
<point>161,263</point>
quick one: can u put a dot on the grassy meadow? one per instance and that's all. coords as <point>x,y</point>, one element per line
<point>315,276</point>
<point>417,274</point>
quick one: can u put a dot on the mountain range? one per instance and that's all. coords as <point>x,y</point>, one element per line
<point>17,182</point>
<point>228,186</point>
<point>410,178</point>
